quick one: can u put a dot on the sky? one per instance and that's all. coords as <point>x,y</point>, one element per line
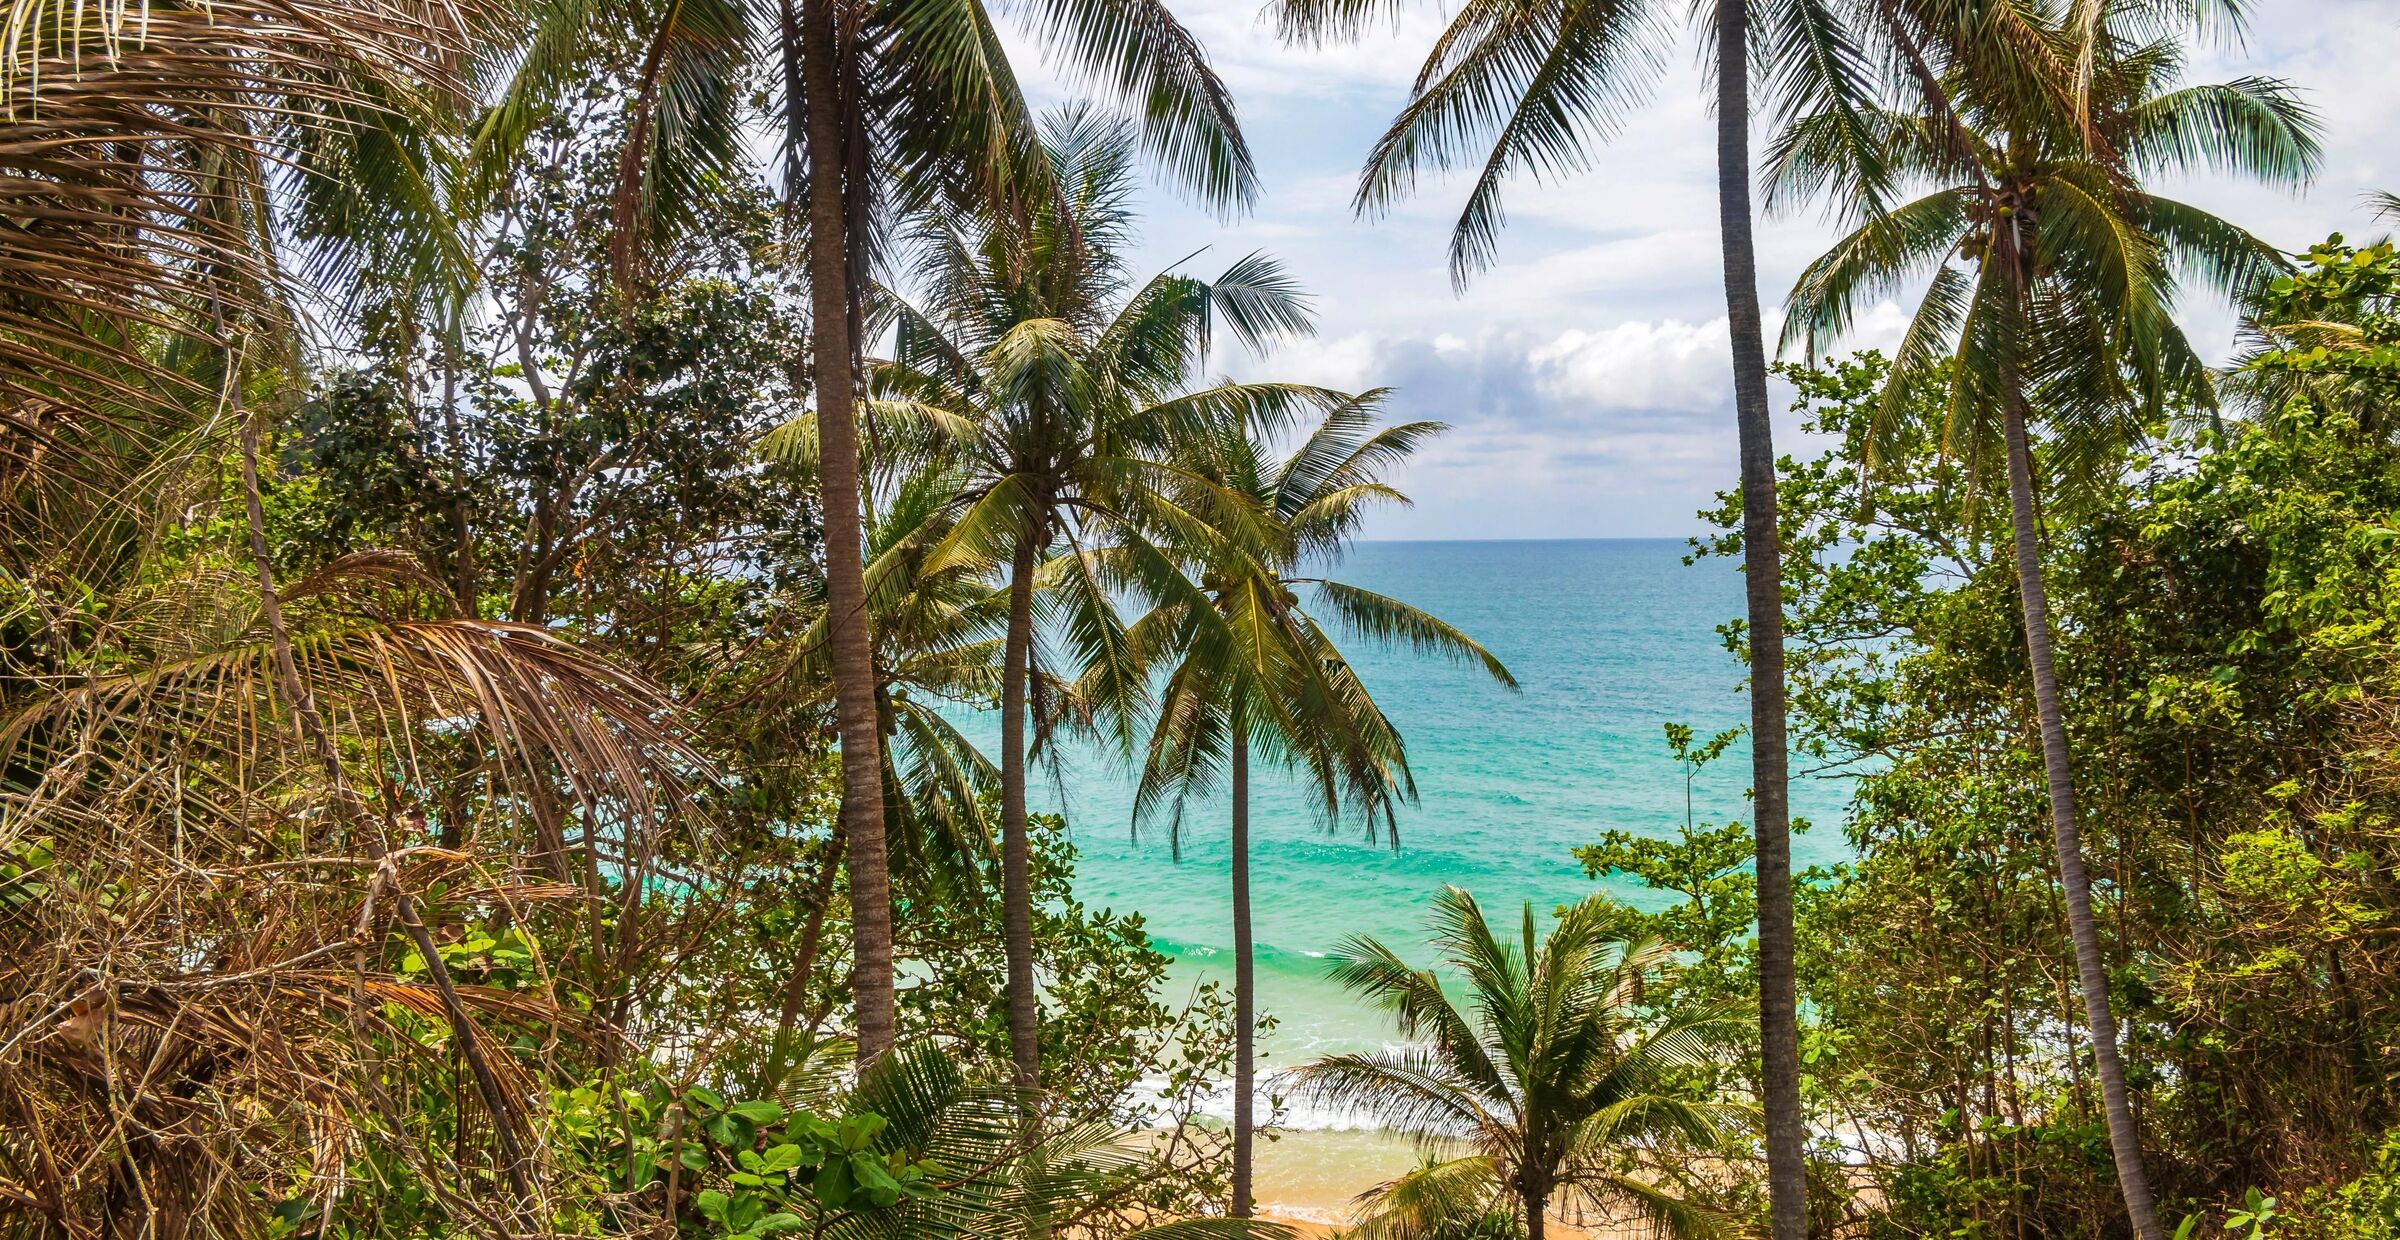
<point>1585,375</point>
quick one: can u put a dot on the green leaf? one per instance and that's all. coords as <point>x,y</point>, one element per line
<point>757,1111</point>
<point>834,1184</point>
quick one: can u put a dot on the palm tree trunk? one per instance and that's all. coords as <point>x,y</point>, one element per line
<point>1016,880</point>
<point>1762,571</point>
<point>829,285</point>
<point>1245,984</point>
<point>2124,1139</point>
<point>1537,1207</point>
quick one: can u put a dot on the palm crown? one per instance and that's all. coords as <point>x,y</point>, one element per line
<point>1251,666</point>
<point>2054,272</point>
<point>1553,1076</point>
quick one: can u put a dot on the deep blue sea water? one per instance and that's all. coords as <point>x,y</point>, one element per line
<point>1609,639</point>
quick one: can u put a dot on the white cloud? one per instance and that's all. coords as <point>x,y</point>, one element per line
<point>1585,374</point>
<point>1638,365</point>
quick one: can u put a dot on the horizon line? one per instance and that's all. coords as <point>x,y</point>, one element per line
<point>1544,538</point>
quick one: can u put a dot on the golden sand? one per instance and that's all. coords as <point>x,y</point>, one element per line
<point>1308,1179</point>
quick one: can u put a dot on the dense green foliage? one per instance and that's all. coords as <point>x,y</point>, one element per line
<point>483,636</point>
<point>2224,609</point>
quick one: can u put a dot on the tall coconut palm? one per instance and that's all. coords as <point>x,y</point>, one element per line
<point>2052,296</point>
<point>1534,85</point>
<point>1554,1082</point>
<point>1070,389</point>
<point>1254,671</point>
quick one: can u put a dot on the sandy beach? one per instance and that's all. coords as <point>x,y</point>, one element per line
<point>1308,1178</point>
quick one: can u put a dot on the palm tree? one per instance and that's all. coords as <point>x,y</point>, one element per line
<point>1555,1080</point>
<point>946,104</point>
<point>1067,392</point>
<point>1513,85</point>
<point>883,107</point>
<point>2052,295</point>
<point>1255,670</point>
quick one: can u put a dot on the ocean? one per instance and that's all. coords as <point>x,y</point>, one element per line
<point>1609,639</point>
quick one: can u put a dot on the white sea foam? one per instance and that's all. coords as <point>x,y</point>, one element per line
<point>1295,1111</point>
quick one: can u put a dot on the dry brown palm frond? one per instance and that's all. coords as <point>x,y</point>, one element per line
<point>202,995</point>
<point>188,670</point>
<point>140,147</point>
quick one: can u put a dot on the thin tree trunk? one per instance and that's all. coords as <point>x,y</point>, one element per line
<point>463,583</point>
<point>812,935</point>
<point>1762,571</point>
<point>1016,879</point>
<point>1537,1208</point>
<point>829,281</point>
<point>2124,1138</point>
<point>1245,982</point>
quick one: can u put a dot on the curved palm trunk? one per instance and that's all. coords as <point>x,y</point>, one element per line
<point>1245,985</point>
<point>845,568</point>
<point>2124,1139</point>
<point>1016,881</point>
<point>1762,571</point>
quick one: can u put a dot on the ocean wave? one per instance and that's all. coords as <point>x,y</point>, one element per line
<point>1295,1112</point>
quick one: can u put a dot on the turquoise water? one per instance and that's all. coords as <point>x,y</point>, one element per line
<point>1609,639</point>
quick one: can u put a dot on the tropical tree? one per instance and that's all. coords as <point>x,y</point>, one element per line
<point>1063,393</point>
<point>1554,1081</point>
<point>1253,670</point>
<point>1517,85</point>
<point>2327,332</point>
<point>2054,276</point>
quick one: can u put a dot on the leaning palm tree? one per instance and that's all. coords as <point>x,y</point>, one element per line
<point>1064,394</point>
<point>1252,670</point>
<point>2053,290</point>
<point>1533,85</point>
<point>1554,1083</point>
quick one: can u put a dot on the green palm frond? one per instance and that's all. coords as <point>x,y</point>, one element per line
<point>2254,127</point>
<point>1139,51</point>
<point>1549,1066</point>
<point>1874,261</point>
<point>1440,1200</point>
<point>1388,619</point>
